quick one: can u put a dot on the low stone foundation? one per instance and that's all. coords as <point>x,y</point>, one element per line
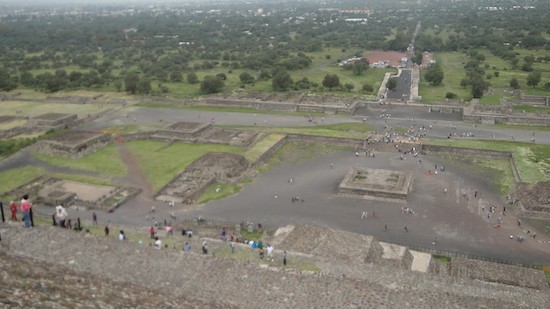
<point>376,184</point>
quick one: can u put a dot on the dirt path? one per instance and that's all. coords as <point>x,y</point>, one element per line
<point>134,172</point>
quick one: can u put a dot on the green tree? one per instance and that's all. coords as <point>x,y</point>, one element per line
<point>211,84</point>
<point>281,81</point>
<point>222,76</point>
<point>479,86</point>
<point>368,88</point>
<point>514,83</point>
<point>143,86</point>
<point>118,85</point>
<point>264,74</point>
<point>246,78</point>
<point>304,83</point>
<point>359,67</point>
<point>192,78</point>
<point>27,79</point>
<point>331,80</point>
<point>533,79</point>
<point>434,75</point>
<point>130,82</point>
<point>391,84</point>
<point>515,62</point>
<point>7,82</point>
<point>175,76</point>
<point>464,82</point>
<point>349,86</point>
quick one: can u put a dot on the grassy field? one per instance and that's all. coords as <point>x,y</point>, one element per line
<point>531,109</point>
<point>349,130</point>
<point>453,68</point>
<point>254,153</point>
<point>104,161</point>
<point>532,160</point>
<point>33,109</point>
<point>515,127</point>
<point>161,164</point>
<point>227,109</point>
<point>212,192</point>
<point>13,178</point>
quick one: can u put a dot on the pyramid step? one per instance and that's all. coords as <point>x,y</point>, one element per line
<point>421,261</point>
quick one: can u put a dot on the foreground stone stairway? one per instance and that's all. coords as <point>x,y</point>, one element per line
<point>345,279</point>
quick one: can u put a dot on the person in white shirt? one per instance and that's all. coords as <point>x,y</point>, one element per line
<point>269,249</point>
<point>158,243</point>
<point>121,235</point>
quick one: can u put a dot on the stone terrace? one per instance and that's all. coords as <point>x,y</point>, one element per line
<point>197,279</point>
<point>73,144</point>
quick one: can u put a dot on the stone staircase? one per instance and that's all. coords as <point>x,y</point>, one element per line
<point>344,279</point>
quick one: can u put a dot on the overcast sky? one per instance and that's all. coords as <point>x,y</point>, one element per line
<point>72,2</point>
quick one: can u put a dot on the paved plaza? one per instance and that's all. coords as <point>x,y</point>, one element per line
<point>456,222</point>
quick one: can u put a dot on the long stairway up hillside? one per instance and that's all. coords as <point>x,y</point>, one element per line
<point>209,281</point>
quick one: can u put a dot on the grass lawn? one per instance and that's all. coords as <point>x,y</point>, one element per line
<point>210,193</point>
<point>531,109</point>
<point>12,124</point>
<point>441,258</point>
<point>452,64</point>
<point>104,161</point>
<point>516,127</point>
<point>532,160</point>
<point>316,72</point>
<point>226,109</point>
<point>161,164</point>
<point>350,130</point>
<point>453,68</point>
<point>254,153</point>
<point>13,178</point>
<point>33,109</point>
<point>491,99</point>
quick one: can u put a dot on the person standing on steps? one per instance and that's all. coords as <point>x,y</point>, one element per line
<point>26,209</point>
<point>13,209</point>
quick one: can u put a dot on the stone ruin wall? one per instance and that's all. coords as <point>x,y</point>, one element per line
<point>270,152</point>
<point>188,186</point>
<point>500,273</point>
<point>368,193</point>
<point>466,151</point>
<point>308,106</point>
<point>55,148</point>
<point>535,100</point>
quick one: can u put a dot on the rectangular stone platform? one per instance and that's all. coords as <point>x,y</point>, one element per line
<point>376,183</point>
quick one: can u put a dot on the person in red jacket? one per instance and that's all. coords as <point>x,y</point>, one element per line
<point>13,208</point>
<point>26,208</point>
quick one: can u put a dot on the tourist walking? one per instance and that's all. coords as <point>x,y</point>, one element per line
<point>121,235</point>
<point>269,252</point>
<point>106,231</point>
<point>26,210</point>
<point>204,247</point>
<point>284,258</point>
<point>94,218</point>
<point>13,209</point>
<point>158,243</point>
